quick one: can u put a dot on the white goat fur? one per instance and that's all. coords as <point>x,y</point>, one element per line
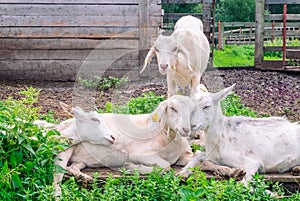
<point>183,56</point>
<point>141,141</point>
<point>265,145</point>
<point>189,22</point>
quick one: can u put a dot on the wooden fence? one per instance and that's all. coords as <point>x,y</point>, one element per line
<point>58,39</point>
<point>290,53</point>
<point>244,32</point>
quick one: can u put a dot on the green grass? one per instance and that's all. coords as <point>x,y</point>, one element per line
<point>232,105</point>
<point>167,186</point>
<point>243,55</point>
<point>146,103</point>
<point>234,55</point>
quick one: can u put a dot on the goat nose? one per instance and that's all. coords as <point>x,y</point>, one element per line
<point>186,130</point>
<point>164,66</point>
<point>112,139</point>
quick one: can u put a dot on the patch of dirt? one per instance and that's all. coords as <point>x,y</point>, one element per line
<point>266,92</point>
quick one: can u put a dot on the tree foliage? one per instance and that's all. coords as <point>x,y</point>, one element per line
<point>230,10</point>
<point>278,9</point>
<point>235,10</point>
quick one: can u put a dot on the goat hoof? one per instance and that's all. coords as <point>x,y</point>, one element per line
<point>238,174</point>
<point>86,177</point>
<point>296,171</point>
<point>131,167</point>
<point>184,173</point>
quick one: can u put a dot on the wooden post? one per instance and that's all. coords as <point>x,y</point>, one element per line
<point>284,35</point>
<point>143,34</point>
<point>259,34</point>
<point>219,35</point>
<point>221,39</point>
<point>206,19</point>
<point>250,34</point>
<point>273,28</point>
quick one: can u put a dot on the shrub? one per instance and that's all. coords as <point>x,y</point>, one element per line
<point>26,159</point>
<point>232,105</point>
<point>198,187</point>
<point>156,186</point>
<point>146,103</point>
<point>102,83</point>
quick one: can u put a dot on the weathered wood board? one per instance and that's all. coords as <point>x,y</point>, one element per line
<point>287,179</point>
<point>55,39</point>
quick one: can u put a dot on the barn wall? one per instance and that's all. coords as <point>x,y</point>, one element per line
<point>60,39</point>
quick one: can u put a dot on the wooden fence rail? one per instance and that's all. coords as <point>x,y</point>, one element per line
<point>244,32</point>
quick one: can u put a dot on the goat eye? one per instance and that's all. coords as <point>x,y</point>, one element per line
<point>173,109</point>
<point>96,120</point>
<point>206,107</point>
<point>174,49</point>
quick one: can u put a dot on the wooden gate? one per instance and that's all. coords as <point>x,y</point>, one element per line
<point>290,55</point>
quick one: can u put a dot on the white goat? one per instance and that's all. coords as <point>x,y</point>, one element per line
<point>189,22</point>
<point>265,145</point>
<point>77,130</point>
<point>183,56</point>
<point>141,141</point>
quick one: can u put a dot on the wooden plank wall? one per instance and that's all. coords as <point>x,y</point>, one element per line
<point>58,39</point>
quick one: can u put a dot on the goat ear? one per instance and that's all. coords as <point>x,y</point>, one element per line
<point>222,94</point>
<point>158,113</point>
<point>186,54</point>
<point>77,112</point>
<point>66,108</point>
<point>148,58</point>
<point>201,88</point>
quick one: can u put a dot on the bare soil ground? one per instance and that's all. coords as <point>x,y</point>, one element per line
<point>274,93</point>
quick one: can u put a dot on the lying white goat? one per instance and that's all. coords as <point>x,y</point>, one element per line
<point>77,131</point>
<point>183,56</point>
<point>265,145</point>
<point>141,141</point>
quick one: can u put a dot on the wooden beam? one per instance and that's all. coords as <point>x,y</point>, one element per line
<point>279,48</point>
<point>182,1</point>
<point>282,2</point>
<point>66,44</point>
<point>176,16</point>
<point>279,17</point>
<point>259,34</point>
<point>66,2</point>
<point>279,33</point>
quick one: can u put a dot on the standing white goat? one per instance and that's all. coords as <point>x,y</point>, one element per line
<point>183,56</point>
<point>266,145</point>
